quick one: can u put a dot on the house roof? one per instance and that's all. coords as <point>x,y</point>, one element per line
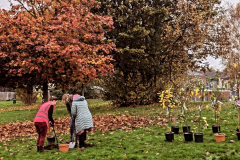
<point>215,75</point>
<point>193,73</point>
<point>212,75</point>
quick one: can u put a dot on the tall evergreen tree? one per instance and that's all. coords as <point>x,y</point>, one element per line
<point>157,41</point>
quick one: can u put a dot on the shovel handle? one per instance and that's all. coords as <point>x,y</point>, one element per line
<point>55,134</point>
<point>49,130</point>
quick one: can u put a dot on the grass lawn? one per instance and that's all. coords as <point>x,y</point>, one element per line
<point>10,112</point>
<point>146,142</point>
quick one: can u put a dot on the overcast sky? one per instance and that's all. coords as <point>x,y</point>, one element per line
<point>214,63</point>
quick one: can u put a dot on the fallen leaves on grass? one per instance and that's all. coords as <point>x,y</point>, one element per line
<point>101,123</point>
<point>35,106</point>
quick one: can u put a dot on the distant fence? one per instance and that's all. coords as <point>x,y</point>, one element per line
<point>6,96</point>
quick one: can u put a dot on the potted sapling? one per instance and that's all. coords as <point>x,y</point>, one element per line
<point>186,127</point>
<point>175,104</point>
<point>167,102</point>
<point>183,99</point>
<point>216,108</point>
<point>220,137</point>
<point>199,136</point>
<point>188,135</point>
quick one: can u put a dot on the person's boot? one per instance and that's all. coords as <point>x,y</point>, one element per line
<point>81,142</point>
<point>76,142</point>
<point>38,148</point>
<point>41,148</point>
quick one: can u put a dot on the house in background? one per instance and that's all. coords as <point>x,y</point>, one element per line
<point>212,80</point>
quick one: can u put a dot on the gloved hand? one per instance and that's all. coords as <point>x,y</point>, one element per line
<point>51,123</point>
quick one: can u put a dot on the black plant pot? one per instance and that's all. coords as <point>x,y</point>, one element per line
<point>51,140</point>
<point>175,129</point>
<point>238,135</point>
<point>237,129</point>
<point>216,128</point>
<point>198,137</point>
<point>169,136</point>
<point>186,128</point>
<point>188,136</point>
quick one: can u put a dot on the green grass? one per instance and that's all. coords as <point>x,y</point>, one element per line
<point>21,115</point>
<point>9,104</point>
<point>140,143</point>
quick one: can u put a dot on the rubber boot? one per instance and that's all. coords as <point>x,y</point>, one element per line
<point>81,142</point>
<point>85,138</point>
<point>38,148</point>
<point>41,148</point>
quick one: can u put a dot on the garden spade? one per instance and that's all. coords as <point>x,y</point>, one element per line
<point>55,137</point>
<point>72,143</point>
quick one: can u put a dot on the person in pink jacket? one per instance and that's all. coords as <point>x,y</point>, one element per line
<point>42,120</point>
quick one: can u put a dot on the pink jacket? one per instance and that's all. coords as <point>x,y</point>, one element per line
<point>42,114</point>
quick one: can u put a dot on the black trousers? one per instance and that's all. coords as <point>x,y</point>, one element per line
<point>82,139</point>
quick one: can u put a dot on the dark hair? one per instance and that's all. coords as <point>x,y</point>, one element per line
<point>52,98</point>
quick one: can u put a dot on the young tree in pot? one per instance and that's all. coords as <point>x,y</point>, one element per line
<point>201,87</point>
<point>217,109</point>
<point>183,99</point>
<point>175,104</point>
<point>186,127</point>
<point>167,101</point>
<point>188,136</point>
<point>216,105</point>
<point>216,95</point>
<point>199,136</point>
<point>184,96</point>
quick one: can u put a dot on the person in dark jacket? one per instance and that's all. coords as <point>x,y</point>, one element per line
<point>67,100</point>
<point>42,119</point>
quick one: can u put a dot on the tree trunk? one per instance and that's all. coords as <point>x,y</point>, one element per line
<point>82,89</point>
<point>45,92</point>
<point>29,95</point>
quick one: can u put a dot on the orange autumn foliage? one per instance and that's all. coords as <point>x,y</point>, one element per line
<point>57,42</point>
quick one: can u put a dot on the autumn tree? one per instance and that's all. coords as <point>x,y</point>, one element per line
<point>232,60</point>
<point>53,41</point>
<point>157,41</point>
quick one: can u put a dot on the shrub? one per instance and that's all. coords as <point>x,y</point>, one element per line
<point>26,97</point>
